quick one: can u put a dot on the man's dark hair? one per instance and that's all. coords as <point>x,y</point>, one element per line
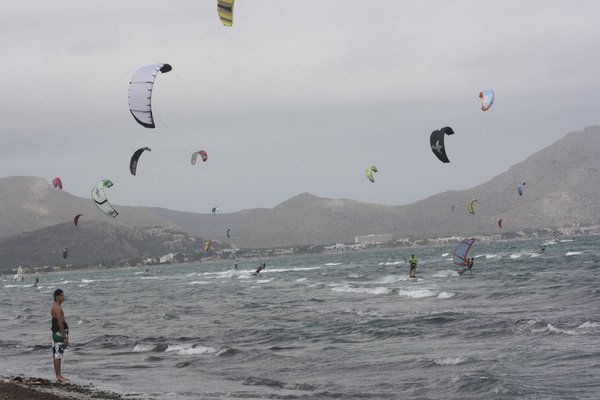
<point>57,293</point>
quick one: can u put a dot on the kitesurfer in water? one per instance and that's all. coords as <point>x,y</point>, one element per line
<point>36,281</point>
<point>413,262</point>
<point>543,249</point>
<point>260,268</point>
<point>60,333</point>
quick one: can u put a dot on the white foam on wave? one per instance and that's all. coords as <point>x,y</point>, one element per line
<point>574,253</point>
<point>301,279</point>
<point>389,279</point>
<point>449,360</point>
<point>190,349</point>
<point>583,329</point>
<point>265,280</point>
<point>416,294</point>
<point>149,277</point>
<point>198,283</point>
<point>350,289</point>
<point>513,256</point>
<point>445,295</point>
<point>488,256</point>
<point>444,274</point>
<point>139,348</point>
<point>333,263</point>
<point>88,280</point>
<point>445,254</point>
<point>291,269</point>
<point>391,263</point>
<point>566,240</point>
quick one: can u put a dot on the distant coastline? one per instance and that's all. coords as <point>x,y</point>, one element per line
<point>235,255</point>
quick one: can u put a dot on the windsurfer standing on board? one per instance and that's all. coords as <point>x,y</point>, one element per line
<point>470,262</point>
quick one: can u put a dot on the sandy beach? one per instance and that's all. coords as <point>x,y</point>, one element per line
<point>27,388</point>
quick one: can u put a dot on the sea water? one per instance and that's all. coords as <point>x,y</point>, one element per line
<point>523,324</point>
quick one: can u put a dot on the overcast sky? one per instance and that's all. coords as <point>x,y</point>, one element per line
<point>298,96</point>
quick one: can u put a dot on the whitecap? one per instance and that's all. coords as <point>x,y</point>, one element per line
<point>265,280</point>
<point>588,325</point>
<point>190,349</point>
<point>449,360</point>
<point>138,348</point>
<point>392,263</point>
<point>553,329</point>
<point>513,256</point>
<point>445,295</point>
<point>491,256</point>
<point>444,274</point>
<point>416,294</point>
<point>150,277</point>
<point>198,283</point>
<point>333,263</point>
<point>349,289</point>
<point>389,279</point>
<point>574,253</point>
<point>88,280</point>
<point>301,279</point>
<point>445,254</point>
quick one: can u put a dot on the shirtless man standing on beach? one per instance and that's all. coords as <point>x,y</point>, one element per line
<point>60,333</point>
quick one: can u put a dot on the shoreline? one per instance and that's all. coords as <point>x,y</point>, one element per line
<point>30,388</point>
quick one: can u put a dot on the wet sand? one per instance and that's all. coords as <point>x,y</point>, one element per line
<point>23,388</point>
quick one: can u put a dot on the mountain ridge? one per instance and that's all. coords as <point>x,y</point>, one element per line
<point>562,190</point>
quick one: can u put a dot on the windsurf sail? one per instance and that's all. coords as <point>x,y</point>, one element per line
<point>19,275</point>
<point>461,251</point>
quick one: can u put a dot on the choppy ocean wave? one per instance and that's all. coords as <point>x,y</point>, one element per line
<point>521,325</point>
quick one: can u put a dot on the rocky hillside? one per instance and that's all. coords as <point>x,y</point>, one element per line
<point>562,189</point>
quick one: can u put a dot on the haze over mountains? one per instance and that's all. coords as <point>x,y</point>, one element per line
<point>562,190</point>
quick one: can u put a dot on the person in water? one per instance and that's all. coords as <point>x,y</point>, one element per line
<point>260,268</point>
<point>60,333</point>
<point>413,262</point>
<point>36,281</point>
<point>468,266</point>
